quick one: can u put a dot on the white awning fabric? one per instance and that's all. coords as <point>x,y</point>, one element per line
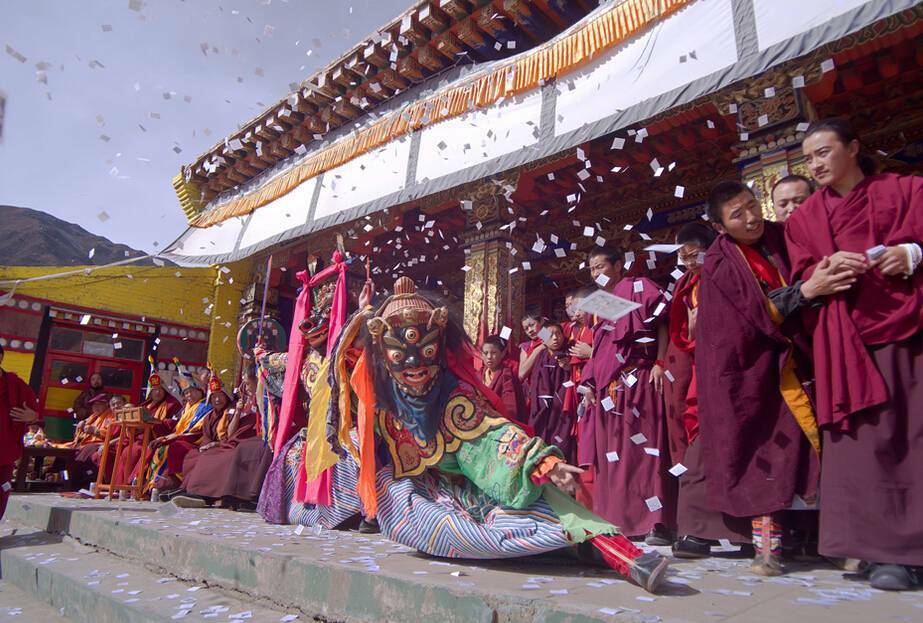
<point>700,49</point>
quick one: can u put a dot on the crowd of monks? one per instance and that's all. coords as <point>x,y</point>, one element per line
<point>765,398</point>
<point>762,400</point>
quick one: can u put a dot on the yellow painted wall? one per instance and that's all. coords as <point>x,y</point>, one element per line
<point>222,345</point>
<point>18,363</point>
<point>150,291</point>
<point>203,297</point>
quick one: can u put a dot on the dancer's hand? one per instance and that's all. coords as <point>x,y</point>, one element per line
<point>365,296</point>
<point>564,477</point>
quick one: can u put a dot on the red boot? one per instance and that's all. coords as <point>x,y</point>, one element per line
<point>647,570</point>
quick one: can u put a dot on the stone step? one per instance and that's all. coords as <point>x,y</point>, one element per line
<point>350,577</point>
<point>78,583</point>
<point>334,575</point>
<point>18,605</point>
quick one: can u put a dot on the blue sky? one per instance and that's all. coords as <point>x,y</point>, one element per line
<point>111,100</point>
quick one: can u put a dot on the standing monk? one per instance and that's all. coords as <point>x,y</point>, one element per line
<point>500,378</point>
<point>758,431</point>
<point>699,523</point>
<point>695,239</point>
<point>868,354</point>
<point>18,409</point>
<point>626,433</point>
<point>789,193</point>
<point>581,349</point>
<point>532,323</point>
<point>546,393</point>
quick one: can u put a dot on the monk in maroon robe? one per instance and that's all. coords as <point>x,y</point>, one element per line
<point>161,406</point>
<point>580,340</point>
<point>699,523</point>
<point>758,430</point>
<point>532,323</point>
<point>868,354</point>
<point>206,472</point>
<point>695,239</point>
<point>626,436</point>
<point>547,415</point>
<point>18,409</point>
<point>500,377</point>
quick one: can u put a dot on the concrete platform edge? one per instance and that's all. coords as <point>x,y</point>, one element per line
<point>326,590</point>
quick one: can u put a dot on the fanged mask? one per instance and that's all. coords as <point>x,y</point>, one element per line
<point>408,332</point>
<point>412,355</point>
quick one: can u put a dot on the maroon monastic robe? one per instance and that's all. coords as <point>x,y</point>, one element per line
<point>14,393</point>
<point>506,385</point>
<point>208,473</point>
<point>628,475</point>
<point>679,362</point>
<point>756,455</point>
<point>868,352</point>
<point>882,209</point>
<point>122,472</point>
<point>546,405</point>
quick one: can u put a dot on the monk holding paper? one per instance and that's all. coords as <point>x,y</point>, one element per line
<point>868,354</point>
<point>624,439</point>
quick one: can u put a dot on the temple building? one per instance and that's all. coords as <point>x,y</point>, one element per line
<point>485,146</point>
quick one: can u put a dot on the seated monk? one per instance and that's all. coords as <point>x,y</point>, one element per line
<point>170,450</point>
<point>161,406</point>
<point>210,473</point>
<point>91,433</point>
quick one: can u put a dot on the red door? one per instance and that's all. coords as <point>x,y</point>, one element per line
<point>74,354</point>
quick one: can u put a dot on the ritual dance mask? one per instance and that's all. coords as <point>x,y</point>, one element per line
<point>315,327</point>
<point>409,335</point>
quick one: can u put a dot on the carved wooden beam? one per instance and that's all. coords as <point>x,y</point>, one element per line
<point>433,18</point>
<point>376,55</point>
<point>456,9</point>
<point>413,31</point>
<point>409,68</point>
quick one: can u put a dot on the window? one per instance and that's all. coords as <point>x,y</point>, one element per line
<point>65,339</point>
<point>114,376</point>
<point>69,372</point>
<point>98,344</point>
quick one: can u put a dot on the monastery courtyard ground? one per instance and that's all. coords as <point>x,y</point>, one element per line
<point>89,560</point>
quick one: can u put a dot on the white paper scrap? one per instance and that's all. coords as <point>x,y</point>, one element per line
<point>606,305</point>
<point>607,403</point>
<point>653,503</point>
<point>612,456</point>
<point>638,439</point>
<point>652,451</point>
